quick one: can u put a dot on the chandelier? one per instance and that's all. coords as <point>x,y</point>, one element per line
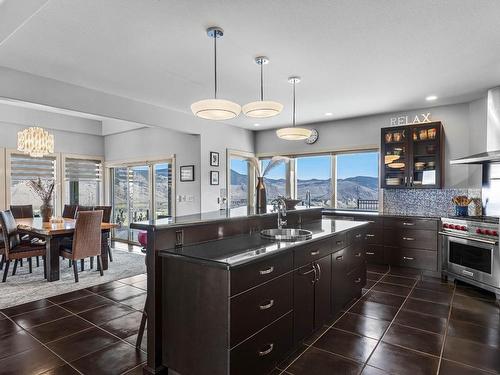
<point>262,108</point>
<point>35,141</point>
<point>293,133</point>
<point>215,109</point>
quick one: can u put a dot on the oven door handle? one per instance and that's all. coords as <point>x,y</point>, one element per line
<point>494,243</point>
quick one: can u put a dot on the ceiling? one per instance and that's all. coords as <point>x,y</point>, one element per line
<point>355,57</point>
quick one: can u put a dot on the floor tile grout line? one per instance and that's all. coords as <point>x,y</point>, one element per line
<point>46,347</point>
<point>471,367</point>
<point>26,312</point>
<point>331,325</point>
<point>391,322</point>
<point>446,330</point>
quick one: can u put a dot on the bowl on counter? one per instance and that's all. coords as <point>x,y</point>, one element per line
<point>291,203</point>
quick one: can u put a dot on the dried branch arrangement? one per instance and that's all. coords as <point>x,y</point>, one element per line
<point>44,189</point>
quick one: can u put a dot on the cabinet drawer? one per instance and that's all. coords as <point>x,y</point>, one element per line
<point>420,259</point>
<point>253,310</point>
<point>375,222</point>
<point>374,235</point>
<point>357,278</point>
<point>248,276</point>
<point>411,223</point>
<point>339,241</point>
<point>263,351</point>
<point>356,237</point>
<point>309,253</point>
<point>355,257</point>
<point>411,238</point>
<point>375,254</point>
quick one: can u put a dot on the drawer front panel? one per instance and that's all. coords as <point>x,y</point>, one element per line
<point>355,257</point>
<point>375,254</point>
<point>262,352</point>
<point>309,253</point>
<point>357,278</point>
<point>420,259</point>
<point>374,235</point>
<point>376,222</point>
<point>356,237</point>
<point>253,310</point>
<point>411,223</point>
<point>248,276</point>
<point>411,238</point>
<point>339,241</point>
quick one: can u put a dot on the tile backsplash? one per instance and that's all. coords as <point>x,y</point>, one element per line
<point>425,202</point>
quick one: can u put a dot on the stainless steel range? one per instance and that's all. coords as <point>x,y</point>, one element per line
<point>471,252</point>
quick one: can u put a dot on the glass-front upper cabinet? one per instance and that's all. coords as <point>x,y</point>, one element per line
<point>412,156</point>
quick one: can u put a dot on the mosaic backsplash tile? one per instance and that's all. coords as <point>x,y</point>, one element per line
<point>425,202</point>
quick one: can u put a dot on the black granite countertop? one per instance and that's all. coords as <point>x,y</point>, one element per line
<point>206,217</point>
<point>243,249</point>
<point>332,211</point>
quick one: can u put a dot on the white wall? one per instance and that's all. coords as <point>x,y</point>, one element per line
<point>154,143</point>
<point>459,123</point>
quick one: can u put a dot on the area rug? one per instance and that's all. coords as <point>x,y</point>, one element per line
<point>24,287</point>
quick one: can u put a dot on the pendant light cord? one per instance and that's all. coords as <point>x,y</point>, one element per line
<point>293,103</point>
<point>261,81</point>
<point>215,65</point>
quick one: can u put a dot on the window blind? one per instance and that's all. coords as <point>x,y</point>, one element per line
<point>24,167</point>
<point>82,170</point>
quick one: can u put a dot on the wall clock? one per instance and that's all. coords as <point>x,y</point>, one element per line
<point>313,138</point>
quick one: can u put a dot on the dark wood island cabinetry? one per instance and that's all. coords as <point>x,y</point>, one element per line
<point>240,304</point>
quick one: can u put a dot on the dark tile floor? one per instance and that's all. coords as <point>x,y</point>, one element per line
<point>406,323</point>
<point>403,324</point>
<point>90,331</point>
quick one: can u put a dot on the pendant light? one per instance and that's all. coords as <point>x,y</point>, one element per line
<point>262,108</point>
<point>293,133</point>
<point>35,141</point>
<point>215,109</point>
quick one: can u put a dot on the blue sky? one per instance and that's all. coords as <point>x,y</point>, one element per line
<point>348,165</point>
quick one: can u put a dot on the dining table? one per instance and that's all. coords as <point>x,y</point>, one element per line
<point>52,233</point>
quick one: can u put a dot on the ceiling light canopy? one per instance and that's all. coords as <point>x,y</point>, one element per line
<point>35,141</point>
<point>262,108</point>
<point>431,98</point>
<point>293,133</point>
<point>215,109</point>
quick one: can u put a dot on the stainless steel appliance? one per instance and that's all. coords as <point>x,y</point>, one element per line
<point>471,252</point>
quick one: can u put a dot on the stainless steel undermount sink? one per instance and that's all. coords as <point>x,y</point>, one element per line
<point>286,234</point>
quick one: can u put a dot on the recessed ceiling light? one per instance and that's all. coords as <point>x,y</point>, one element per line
<point>431,98</point>
<point>328,114</point>
<point>256,124</point>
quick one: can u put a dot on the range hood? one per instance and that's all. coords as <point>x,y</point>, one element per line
<point>492,153</point>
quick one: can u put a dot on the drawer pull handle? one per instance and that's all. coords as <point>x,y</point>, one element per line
<point>339,242</point>
<point>315,252</point>
<point>267,271</point>
<point>370,253</point>
<point>270,348</point>
<point>267,305</point>
<point>358,280</point>
<point>358,255</point>
<point>408,239</point>
<point>340,257</point>
<point>370,235</point>
<point>408,224</point>
<point>408,258</point>
<point>358,235</point>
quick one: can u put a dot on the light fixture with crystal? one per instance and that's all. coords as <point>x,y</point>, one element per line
<point>35,141</point>
<point>293,133</point>
<point>262,108</point>
<point>215,109</point>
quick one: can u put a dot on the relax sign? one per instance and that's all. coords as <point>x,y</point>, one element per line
<point>409,120</point>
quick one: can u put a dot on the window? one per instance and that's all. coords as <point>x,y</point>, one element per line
<point>314,177</point>
<point>239,187</point>
<point>275,180</point>
<point>140,192</point>
<point>82,181</point>
<point>24,168</point>
<point>357,181</point>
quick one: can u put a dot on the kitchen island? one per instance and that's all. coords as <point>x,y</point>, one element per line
<point>224,300</point>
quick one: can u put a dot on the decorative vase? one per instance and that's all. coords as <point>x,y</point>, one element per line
<point>46,211</point>
<point>261,204</point>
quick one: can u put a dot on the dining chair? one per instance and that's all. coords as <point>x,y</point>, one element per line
<point>23,211</point>
<point>2,251</point>
<point>84,208</point>
<point>69,211</point>
<point>86,241</point>
<point>106,218</point>
<point>16,249</point>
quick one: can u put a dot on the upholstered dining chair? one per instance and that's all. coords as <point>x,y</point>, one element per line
<point>106,218</point>
<point>14,248</point>
<point>24,211</point>
<point>69,211</point>
<point>86,241</point>
<point>2,250</point>
<point>84,208</point>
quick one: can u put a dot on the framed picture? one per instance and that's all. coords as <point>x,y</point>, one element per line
<point>187,173</point>
<point>214,177</point>
<point>214,159</point>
